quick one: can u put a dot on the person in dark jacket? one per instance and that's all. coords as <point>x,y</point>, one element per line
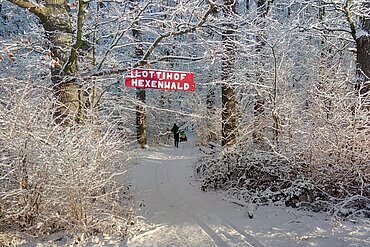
<point>176,134</point>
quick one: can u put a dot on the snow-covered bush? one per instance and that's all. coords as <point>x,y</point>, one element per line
<point>260,177</point>
<point>58,178</point>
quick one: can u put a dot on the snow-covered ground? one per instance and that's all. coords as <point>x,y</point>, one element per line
<point>180,214</point>
<point>175,212</point>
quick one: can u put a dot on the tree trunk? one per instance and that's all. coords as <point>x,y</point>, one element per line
<point>70,104</point>
<point>211,112</point>
<point>325,53</point>
<point>54,16</point>
<point>259,105</point>
<point>363,59</point>
<point>141,118</point>
<point>229,114</point>
<point>141,115</point>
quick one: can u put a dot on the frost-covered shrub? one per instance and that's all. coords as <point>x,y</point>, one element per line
<point>54,178</point>
<point>261,178</point>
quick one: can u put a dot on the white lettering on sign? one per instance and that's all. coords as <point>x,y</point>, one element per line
<point>159,79</point>
<point>141,83</point>
<point>159,75</point>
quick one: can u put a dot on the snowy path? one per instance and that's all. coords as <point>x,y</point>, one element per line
<point>182,215</point>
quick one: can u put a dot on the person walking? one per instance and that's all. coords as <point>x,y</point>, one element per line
<point>176,134</point>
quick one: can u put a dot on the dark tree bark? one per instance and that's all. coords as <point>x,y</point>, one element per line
<point>141,114</point>
<point>141,117</point>
<point>363,49</point>
<point>211,111</point>
<point>363,58</point>
<point>229,113</point>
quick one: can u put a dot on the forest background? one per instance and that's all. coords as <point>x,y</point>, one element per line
<point>281,108</point>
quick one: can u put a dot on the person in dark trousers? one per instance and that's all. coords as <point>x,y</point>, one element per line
<point>176,134</point>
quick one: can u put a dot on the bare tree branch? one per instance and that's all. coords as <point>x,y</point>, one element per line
<point>33,8</point>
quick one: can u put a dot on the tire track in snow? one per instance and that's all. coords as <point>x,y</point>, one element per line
<point>207,229</point>
<point>250,240</point>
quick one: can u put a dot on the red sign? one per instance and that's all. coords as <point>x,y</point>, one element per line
<point>160,79</point>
